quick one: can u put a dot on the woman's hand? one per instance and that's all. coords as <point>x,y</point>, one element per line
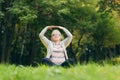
<point>60,27</point>
<point>50,27</point>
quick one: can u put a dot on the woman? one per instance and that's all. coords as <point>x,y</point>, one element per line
<point>56,47</point>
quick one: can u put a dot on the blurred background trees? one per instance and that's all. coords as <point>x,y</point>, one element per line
<point>94,25</point>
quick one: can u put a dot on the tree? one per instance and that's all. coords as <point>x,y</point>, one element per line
<point>94,31</point>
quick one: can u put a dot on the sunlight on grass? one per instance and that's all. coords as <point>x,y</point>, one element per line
<point>78,72</point>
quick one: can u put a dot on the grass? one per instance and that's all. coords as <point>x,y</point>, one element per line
<point>78,72</point>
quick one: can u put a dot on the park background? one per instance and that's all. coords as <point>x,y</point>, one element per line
<point>95,25</point>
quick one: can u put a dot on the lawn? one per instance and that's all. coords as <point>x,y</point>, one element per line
<point>78,72</point>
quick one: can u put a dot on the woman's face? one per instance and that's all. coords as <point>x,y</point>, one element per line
<point>56,36</point>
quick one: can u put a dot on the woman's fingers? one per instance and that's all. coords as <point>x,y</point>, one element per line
<point>54,26</point>
<point>50,27</point>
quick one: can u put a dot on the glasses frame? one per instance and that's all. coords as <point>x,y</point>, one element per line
<point>56,34</point>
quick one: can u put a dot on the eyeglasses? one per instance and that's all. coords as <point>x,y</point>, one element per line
<point>56,35</point>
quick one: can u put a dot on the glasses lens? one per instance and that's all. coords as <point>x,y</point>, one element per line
<point>56,35</point>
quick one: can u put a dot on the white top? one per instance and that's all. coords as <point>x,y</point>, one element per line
<point>58,54</point>
<point>49,44</point>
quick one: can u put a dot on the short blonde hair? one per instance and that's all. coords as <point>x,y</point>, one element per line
<point>55,31</point>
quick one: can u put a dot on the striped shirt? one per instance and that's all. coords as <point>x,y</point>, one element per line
<point>57,55</point>
<point>49,44</point>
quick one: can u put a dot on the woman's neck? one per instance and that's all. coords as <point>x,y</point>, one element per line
<point>57,42</point>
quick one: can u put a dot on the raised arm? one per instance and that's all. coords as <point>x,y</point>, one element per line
<point>68,39</point>
<point>44,39</point>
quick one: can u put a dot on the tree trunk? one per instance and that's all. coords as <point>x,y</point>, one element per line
<point>7,33</point>
<point>77,49</point>
<point>23,43</point>
<point>3,49</point>
<point>32,40</point>
<point>32,48</point>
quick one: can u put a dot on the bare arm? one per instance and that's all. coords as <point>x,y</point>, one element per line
<point>68,39</point>
<point>44,39</point>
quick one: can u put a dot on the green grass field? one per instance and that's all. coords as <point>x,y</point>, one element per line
<point>78,72</point>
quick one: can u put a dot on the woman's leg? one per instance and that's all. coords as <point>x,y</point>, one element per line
<point>68,62</point>
<point>47,61</point>
<point>65,64</point>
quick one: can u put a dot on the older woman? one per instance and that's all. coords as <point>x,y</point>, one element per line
<point>56,47</point>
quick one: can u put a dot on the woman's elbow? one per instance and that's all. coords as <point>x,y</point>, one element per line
<point>71,36</point>
<point>40,35</point>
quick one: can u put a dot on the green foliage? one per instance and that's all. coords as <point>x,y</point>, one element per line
<point>116,60</point>
<point>24,12</point>
<point>93,27</point>
<point>1,14</point>
<point>1,1</point>
<point>106,32</point>
<point>79,72</point>
<point>107,6</point>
